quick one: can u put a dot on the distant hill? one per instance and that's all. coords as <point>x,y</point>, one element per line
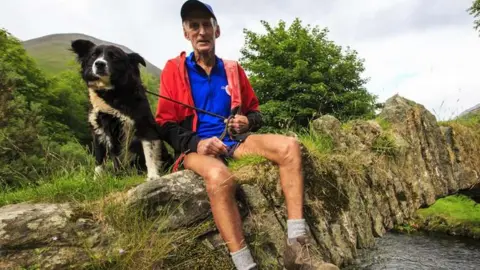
<point>473,110</point>
<point>52,54</point>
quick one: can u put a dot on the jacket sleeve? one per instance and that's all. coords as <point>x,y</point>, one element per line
<point>180,138</point>
<point>250,102</point>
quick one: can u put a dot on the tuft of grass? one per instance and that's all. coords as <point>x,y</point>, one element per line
<point>143,242</point>
<point>385,145</point>
<point>384,124</point>
<point>246,161</point>
<point>316,143</point>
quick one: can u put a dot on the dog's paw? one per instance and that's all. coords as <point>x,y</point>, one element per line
<point>152,178</point>
<point>98,171</point>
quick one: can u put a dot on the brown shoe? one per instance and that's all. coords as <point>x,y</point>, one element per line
<point>298,255</point>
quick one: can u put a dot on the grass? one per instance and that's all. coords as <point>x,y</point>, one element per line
<point>456,214</point>
<point>455,208</point>
<point>75,185</point>
<point>385,145</point>
<point>317,144</point>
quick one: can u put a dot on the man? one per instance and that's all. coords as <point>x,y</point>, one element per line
<point>203,80</point>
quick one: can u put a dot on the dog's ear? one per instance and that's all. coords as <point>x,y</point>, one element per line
<point>81,47</point>
<point>136,59</point>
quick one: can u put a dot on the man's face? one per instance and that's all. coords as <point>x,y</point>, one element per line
<point>201,32</point>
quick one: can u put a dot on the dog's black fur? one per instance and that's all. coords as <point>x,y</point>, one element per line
<point>117,99</point>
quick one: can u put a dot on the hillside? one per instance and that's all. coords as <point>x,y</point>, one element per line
<point>473,110</point>
<point>51,51</point>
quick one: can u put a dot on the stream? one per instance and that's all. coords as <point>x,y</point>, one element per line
<point>401,251</point>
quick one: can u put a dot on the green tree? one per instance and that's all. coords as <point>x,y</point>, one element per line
<point>299,74</point>
<point>70,95</point>
<point>474,10</point>
<point>39,116</point>
<point>21,129</point>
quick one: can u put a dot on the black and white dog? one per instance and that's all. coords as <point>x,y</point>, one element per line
<point>118,103</point>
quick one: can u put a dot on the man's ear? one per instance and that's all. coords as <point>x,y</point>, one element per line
<point>81,47</point>
<point>217,32</point>
<point>136,59</point>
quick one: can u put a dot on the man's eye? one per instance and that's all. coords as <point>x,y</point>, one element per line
<point>194,25</point>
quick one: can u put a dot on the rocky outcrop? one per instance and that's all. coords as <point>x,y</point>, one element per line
<point>362,178</point>
<point>48,236</point>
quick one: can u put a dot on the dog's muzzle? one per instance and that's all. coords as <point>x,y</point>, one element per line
<point>100,68</point>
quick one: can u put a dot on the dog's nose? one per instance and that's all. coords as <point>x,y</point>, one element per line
<point>100,64</point>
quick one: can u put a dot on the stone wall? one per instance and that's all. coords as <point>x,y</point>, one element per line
<point>376,176</point>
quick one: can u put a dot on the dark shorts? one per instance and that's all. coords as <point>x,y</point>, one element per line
<point>225,158</point>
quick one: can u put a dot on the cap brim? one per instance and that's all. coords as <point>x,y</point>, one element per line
<point>192,5</point>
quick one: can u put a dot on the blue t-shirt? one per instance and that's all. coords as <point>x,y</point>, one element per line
<point>210,94</point>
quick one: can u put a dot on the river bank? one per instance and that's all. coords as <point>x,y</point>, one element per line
<point>455,215</point>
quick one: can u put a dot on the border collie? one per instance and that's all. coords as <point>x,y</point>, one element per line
<point>119,103</point>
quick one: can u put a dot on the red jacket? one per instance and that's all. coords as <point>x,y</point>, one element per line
<point>179,123</point>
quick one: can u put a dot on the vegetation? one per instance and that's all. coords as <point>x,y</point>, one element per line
<point>43,117</point>
<point>474,10</point>
<point>299,74</point>
<point>456,215</point>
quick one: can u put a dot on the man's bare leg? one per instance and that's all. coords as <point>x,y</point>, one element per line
<point>219,182</point>
<point>284,151</point>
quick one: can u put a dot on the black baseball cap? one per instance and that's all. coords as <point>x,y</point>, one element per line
<point>191,5</point>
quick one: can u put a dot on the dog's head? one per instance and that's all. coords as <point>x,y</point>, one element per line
<point>104,66</point>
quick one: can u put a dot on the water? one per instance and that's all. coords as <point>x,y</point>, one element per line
<point>399,251</point>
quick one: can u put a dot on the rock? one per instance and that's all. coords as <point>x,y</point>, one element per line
<point>51,236</point>
<point>183,191</point>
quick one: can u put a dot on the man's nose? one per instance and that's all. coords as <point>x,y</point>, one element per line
<point>202,30</point>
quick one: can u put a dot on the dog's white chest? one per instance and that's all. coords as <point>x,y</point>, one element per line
<point>99,105</point>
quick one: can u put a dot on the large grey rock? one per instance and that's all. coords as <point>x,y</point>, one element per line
<point>51,236</point>
<point>181,194</point>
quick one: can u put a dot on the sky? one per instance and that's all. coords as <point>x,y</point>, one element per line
<point>423,50</point>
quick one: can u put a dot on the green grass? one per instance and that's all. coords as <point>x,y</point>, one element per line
<point>73,186</point>
<point>456,214</point>
<point>245,161</point>
<point>316,143</point>
<point>456,209</point>
<point>385,145</point>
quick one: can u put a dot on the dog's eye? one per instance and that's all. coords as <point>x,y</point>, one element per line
<point>112,55</point>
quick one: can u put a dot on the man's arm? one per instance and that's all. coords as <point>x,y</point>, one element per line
<point>180,138</point>
<point>250,102</point>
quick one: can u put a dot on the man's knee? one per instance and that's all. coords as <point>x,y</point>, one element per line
<point>289,153</point>
<point>219,179</point>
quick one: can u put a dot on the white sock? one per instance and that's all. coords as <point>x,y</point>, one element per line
<point>243,259</point>
<point>296,228</point>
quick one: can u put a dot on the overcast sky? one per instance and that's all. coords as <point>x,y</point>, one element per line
<point>425,50</point>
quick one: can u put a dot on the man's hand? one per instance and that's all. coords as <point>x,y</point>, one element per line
<point>211,147</point>
<point>239,124</point>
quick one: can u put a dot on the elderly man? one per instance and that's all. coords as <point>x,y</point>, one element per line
<point>220,86</point>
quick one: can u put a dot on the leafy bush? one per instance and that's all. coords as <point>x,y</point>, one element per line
<point>299,74</point>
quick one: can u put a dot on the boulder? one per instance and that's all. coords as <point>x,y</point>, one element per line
<point>50,236</point>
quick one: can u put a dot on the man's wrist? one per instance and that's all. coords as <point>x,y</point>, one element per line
<point>193,143</point>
